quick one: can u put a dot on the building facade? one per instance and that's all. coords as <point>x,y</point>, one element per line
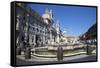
<point>34,30</point>
<point>91,35</point>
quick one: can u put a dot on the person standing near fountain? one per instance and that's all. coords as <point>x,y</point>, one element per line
<point>59,53</point>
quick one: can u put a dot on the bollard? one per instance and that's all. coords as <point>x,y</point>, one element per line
<point>28,53</point>
<point>59,53</point>
<point>88,50</point>
<point>18,51</point>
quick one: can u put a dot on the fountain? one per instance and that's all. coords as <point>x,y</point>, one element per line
<point>52,50</point>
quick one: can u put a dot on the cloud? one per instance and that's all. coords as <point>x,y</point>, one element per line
<point>64,31</point>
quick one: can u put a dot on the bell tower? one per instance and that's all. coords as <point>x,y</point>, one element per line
<point>58,31</point>
<point>48,16</point>
<point>48,19</point>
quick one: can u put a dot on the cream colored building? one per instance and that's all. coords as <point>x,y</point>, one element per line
<point>70,39</point>
<point>35,30</point>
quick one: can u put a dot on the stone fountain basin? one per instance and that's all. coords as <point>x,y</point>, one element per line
<point>46,53</point>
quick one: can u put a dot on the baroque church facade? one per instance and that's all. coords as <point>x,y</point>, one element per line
<point>34,30</point>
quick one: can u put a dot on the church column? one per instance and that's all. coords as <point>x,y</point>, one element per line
<point>44,37</point>
<point>34,40</point>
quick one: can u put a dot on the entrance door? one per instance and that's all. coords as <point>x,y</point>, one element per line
<point>37,41</point>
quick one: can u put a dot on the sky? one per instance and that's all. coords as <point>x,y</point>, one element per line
<point>73,20</point>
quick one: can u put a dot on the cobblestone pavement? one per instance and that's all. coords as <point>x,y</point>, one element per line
<point>34,60</point>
